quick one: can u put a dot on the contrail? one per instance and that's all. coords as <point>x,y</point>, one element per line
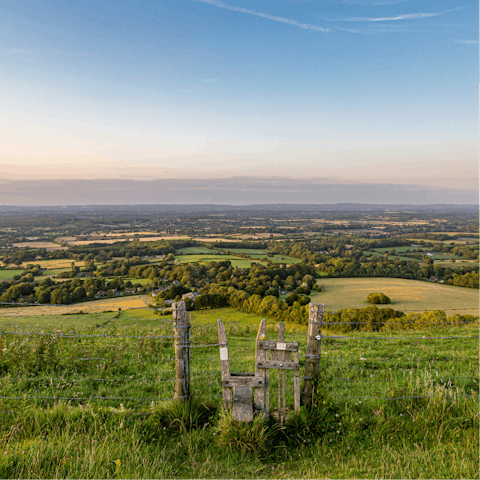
<point>289,21</point>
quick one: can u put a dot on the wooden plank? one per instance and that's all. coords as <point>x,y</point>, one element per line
<point>243,382</point>
<point>276,364</point>
<point>312,357</point>
<point>282,357</point>
<point>181,332</point>
<point>224,362</point>
<point>242,404</point>
<point>296,381</point>
<point>261,394</point>
<point>272,345</point>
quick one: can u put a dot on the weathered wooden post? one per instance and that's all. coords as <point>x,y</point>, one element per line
<point>312,356</point>
<point>261,395</point>
<point>181,332</point>
<point>224,363</point>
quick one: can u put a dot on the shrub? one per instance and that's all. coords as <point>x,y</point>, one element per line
<point>377,298</point>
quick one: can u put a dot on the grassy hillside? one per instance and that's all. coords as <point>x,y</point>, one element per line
<point>406,295</point>
<point>348,434</point>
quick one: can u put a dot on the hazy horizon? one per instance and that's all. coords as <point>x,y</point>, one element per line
<point>228,191</point>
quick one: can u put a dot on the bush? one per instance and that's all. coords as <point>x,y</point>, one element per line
<point>377,298</point>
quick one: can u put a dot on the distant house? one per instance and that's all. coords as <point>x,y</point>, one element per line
<point>100,294</point>
<point>130,291</point>
<point>158,290</point>
<point>191,295</point>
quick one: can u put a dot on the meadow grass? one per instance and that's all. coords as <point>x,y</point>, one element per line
<point>4,274</point>
<point>194,251</point>
<point>406,295</point>
<point>236,261</point>
<point>246,251</point>
<point>93,306</point>
<point>344,436</point>
<point>374,253</point>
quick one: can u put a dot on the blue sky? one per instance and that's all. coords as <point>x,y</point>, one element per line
<point>214,88</point>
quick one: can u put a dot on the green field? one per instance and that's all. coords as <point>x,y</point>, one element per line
<point>406,295</point>
<point>9,273</point>
<point>348,434</point>
<point>246,251</point>
<point>402,249</point>
<point>391,257</point>
<point>236,261</point>
<point>62,322</point>
<point>194,251</point>
<point>281,259</point>
<point>457,264</point>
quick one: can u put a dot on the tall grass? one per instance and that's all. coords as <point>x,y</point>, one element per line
<point>345,435</point>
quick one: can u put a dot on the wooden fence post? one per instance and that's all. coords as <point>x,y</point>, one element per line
<point>261,395</point>
<point>224,363</point>
<point>312,357</point>
<point>181,332</point>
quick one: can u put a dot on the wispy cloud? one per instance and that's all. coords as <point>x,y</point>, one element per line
<point>370,2</point>
<point>466,42</point>
<point>275,18</point>
<point>408,16</point>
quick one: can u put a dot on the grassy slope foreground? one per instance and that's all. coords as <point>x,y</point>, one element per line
<point>349,433</point>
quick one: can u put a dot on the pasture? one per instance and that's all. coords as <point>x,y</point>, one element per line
<point>94,306</point>
<point>386,407</point>
<point>4,274</point>
<point>406,295</point>
<point>61,263</point>
<point>404,258</point>
<point>47,245</point>
<point>236,261</point>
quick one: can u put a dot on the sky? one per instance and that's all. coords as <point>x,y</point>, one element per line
<point>344,93</point>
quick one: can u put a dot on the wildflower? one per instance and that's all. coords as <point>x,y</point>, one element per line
<point>118,462</point>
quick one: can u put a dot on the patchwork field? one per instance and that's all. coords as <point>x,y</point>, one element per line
<point>406,295</point>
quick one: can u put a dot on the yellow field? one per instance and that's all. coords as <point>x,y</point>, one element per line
<point>406,295</point>
<point>55,264</point>
<point>47,245</point>
<point>106,304</point>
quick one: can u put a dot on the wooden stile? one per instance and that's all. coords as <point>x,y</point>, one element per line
<point>280,353</point>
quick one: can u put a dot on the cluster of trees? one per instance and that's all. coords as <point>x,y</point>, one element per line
<point>77,290</point>
<point>378,298</point>
<point>47,291</point>
<point>374,319</point>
